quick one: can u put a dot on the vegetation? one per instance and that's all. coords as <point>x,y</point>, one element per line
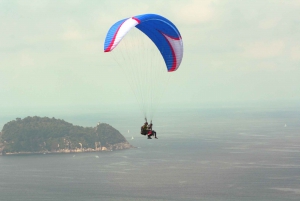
<point>36,134</point>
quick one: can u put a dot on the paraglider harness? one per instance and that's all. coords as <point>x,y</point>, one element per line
<point>145,130</point>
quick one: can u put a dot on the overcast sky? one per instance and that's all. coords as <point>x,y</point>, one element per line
<point>51,53</point>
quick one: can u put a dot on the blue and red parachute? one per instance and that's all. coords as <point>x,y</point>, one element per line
<point>143,54</point>
<point>160,30</point>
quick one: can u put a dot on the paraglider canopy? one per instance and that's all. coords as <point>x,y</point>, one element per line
<point>143,55</point>
<point>160,30</point>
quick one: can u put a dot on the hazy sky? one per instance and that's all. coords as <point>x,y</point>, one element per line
<point>51,53</point>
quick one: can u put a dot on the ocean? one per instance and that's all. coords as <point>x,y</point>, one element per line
<point>227,154</point>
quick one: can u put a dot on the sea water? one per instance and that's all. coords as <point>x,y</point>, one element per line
<point>225,154</point>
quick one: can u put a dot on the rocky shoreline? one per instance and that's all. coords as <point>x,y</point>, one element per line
<point>118,146</point>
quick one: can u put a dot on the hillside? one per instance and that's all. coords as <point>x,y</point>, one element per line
<point>43,134</point>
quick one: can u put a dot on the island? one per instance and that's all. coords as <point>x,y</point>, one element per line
<point>51,135</point>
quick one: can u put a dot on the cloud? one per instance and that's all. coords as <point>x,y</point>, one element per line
<point>72,30</point>
<point>293,3</point>
<point>33,5</point>
<point>268,23</point>
<point>295,53</point>
<point>267,65</point>
<point>72,35</point>
<point>26,60</point>
<point>194,12</point>
<point>263,49</point>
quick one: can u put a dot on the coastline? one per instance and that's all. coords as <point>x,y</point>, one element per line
<point>118,146</point>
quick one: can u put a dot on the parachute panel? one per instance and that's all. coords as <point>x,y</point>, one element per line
<point>117,32</point>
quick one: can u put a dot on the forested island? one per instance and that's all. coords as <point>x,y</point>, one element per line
<point>50,135</point>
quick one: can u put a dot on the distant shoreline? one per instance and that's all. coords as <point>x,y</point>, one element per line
<point>54,152</point>
<point>119,146</point>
